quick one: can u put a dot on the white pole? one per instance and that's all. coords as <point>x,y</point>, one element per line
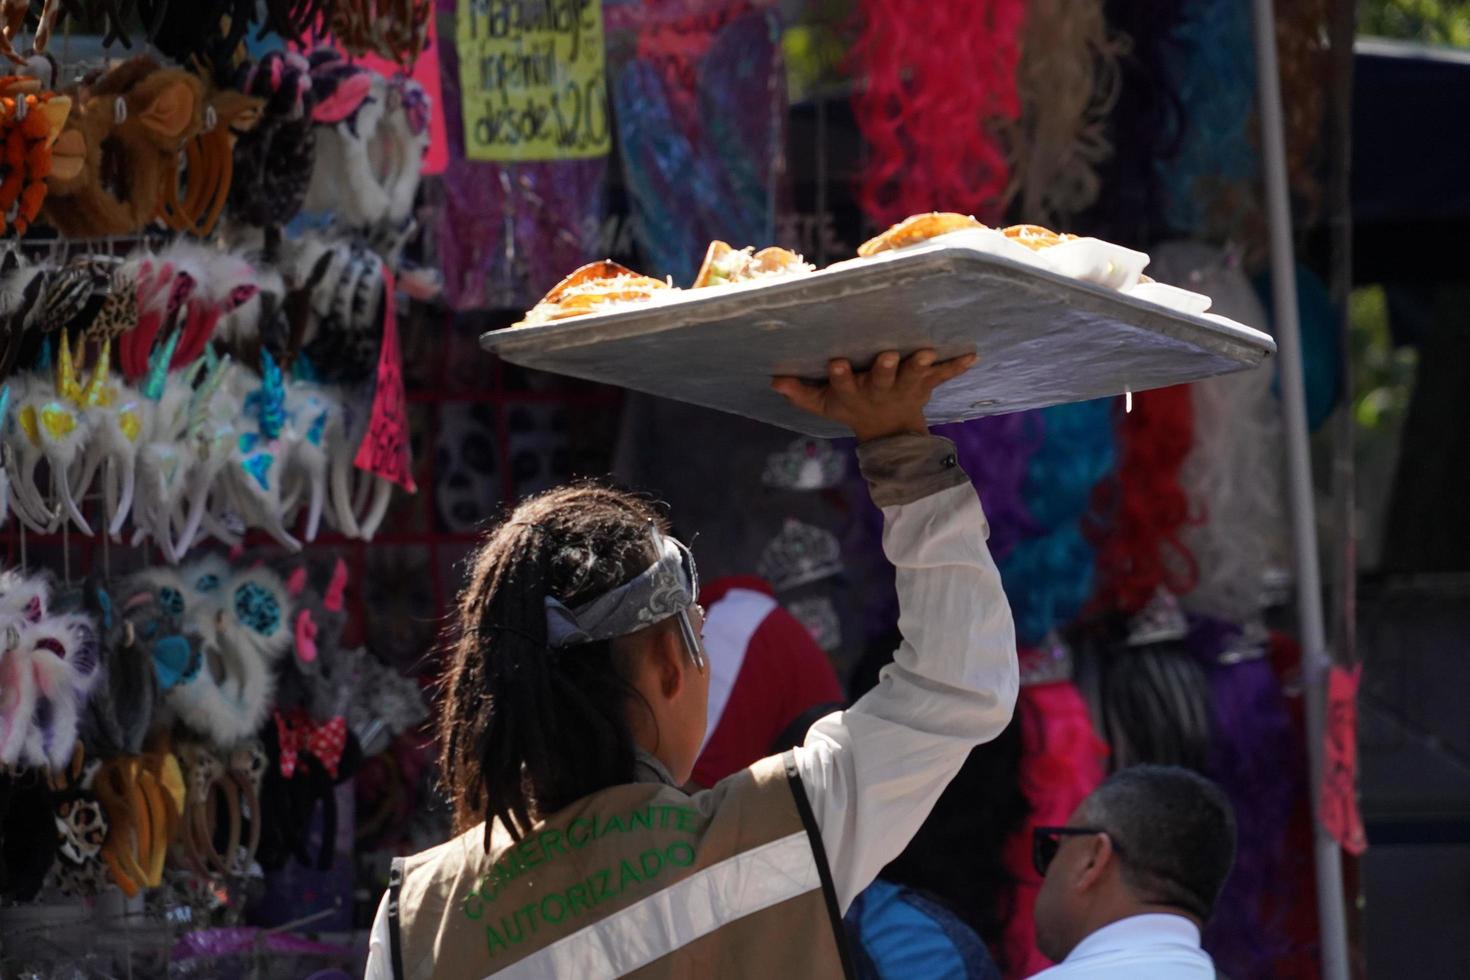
<point>1331,913</point>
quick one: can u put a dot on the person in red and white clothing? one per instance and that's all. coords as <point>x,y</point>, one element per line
<point>767,675</point>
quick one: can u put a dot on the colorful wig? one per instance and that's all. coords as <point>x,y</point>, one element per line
<point>1144,509</point>
<point>1232,475</point>
<point>1144,126</point>
<point>1062,762</point>
<point>1301,38</point>
<point>1246,757</point>
<point>1210,63</point>
<point>940,81</point>
<point>995,452</point>
<point>1068,80</point>
<point>1048,575</point>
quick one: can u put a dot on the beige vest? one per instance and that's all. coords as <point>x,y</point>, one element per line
<point>640,880</point>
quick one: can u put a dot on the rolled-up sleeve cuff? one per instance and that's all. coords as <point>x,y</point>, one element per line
<point>906,468</point>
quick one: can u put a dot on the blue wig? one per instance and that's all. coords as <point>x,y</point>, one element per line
<point>1048,574</point>
<point>1210,64</point>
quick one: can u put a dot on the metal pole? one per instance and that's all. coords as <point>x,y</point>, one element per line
<point>1331,913</point>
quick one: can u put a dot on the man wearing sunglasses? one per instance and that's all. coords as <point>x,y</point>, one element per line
<point>1133,877</point>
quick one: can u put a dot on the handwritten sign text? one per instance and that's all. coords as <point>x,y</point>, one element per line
<point>531,79</point>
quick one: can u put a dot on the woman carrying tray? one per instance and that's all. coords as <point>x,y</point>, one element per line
<point>576,704</point>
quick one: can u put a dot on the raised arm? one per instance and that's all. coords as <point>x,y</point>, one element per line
<point>873,772</point>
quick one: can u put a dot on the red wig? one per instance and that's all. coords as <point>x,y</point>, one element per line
<point>1145,508</point>
<point>940,80</point>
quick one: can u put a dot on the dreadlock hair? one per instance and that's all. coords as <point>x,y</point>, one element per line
<point>526,730</point>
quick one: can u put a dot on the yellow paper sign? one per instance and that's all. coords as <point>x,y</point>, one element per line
<point>532,80</point>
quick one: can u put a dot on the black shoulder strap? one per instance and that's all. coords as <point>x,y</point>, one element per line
<point>395,939</point>
<point>819,852</point>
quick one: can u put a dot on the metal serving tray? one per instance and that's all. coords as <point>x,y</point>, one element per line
<point>1043,339</point>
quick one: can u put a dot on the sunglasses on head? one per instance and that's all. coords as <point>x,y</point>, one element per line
<point>1046,841</point>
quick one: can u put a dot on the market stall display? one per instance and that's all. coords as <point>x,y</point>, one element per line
<point>225,362</point>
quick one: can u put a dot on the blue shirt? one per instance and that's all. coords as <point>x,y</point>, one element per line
<point>897,932</point>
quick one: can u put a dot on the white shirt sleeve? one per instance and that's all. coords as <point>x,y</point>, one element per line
<point>380,960</point>
<point>874,771</point>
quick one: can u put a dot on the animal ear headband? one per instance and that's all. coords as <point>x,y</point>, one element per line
<point>351,102</point>
<point>51,422</point>
<point>273,161</point>
<point>133,123</point>
<point>241,619</point>
<point>194,196</point>
<point>47,670</point>
<point>30,123</point>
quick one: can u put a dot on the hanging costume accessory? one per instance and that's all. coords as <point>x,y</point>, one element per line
<point>296,20</point>
<point>210,30</point>
<point>1240,532</point>
<point>240,618</point>
<point>296,732</point>
<point>274,161</point>
<point>48,668</point>
<point>1049,572</point>
<point>128,134</point>
<point>700,152</point>
<point>1144,509</point>
<point>208,782</point>
<point>121,709</point>
<point>30,123</point>
<point>383,704</point>
<point>82,826</point>
<point>12,24</point>
<point>1252,725</point>
<point>290,802</point>
<point>350,104</point>
<point>929,106</point>
<point>234,779</point>
<point>207,169</point>
<point>144,796</point>
<point>1068,80</point>
<point>317,625</point>
<point>261,452</point>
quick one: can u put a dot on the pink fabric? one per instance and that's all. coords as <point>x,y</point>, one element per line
<point>306,631</point>
<point>343,102</point>
<point>1339,788</point>
<point>296,584</point>
<point>1062,762</point>
<point>332,601</point>
<point>386,451</point>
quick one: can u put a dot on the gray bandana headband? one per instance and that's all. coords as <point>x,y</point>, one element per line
<point>667,588</point>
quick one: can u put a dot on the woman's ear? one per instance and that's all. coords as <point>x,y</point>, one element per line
<point>653,661</point>
<point>672,661</point>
